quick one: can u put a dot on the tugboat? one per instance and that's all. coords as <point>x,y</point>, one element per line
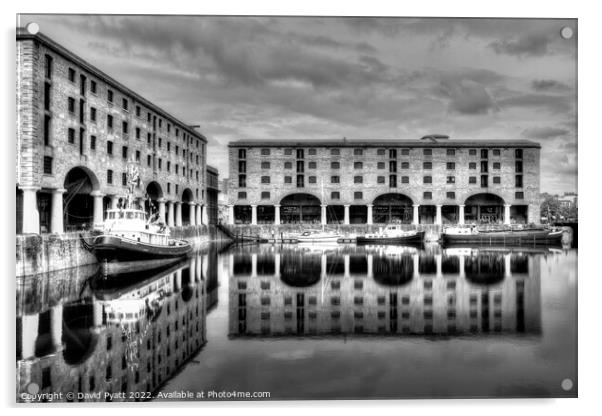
<point>392,234</point>
<point>129,240</point>
<point>508,236</point>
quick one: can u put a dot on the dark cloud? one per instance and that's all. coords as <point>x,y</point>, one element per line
<point>544,132</point>
<point>553,103</point>
<point>533,44</point>
<point>466,91</point>
<point>549,85</point>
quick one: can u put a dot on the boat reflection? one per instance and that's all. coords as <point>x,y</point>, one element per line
<point>292,291</point>
<point>86,333</point>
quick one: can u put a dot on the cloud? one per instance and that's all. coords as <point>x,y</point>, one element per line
<point>544,132</point>
<point>552,103</point>
<point>533,44</point>
<point>549,85</point>
<point>465,94</point>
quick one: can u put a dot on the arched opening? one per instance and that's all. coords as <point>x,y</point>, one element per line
<point>300,269</point>
<point>187,198</point>
<point>484,208</point>
<point>151,201</point>
<point>392,208</point>
<point>485,269</point>
<point>78,204</point>
<point>300,208</point>
<point>393,271</point>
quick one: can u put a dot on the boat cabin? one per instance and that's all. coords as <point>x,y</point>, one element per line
<point>132,224</point>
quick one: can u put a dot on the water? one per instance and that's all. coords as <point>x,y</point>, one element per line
<point>314,322</point>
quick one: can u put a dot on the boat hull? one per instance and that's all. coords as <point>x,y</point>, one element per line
<point>108,248</point>
<point>311,240</point>
<point>417,238</point>
<point>517,238</point>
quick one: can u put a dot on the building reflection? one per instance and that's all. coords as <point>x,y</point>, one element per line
<point>384,290</point>
<point>128,335</point>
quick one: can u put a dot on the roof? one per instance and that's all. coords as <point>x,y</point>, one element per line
<point>212,169</point>
<point>23,34</point>
<point>385,143</point>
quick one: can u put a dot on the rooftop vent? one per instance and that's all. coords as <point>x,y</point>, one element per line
<point>435,137</point>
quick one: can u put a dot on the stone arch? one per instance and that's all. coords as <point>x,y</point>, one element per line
<point>154,192</point>
<point>187,214</point>
<point>392,207</point>
<point>484,207</point>
<point>78,202</point>
<point>300,207</point>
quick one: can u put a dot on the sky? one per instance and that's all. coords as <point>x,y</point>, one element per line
<point>306,78</point>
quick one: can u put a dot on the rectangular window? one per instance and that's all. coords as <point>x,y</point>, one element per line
<point>288,165</point>
<point>518,166</point>
<point>451,179</point>
<point>93,114</point>
<point>427,179</point>
<point>427,165</point>
<point>497,165</point>
<point>265,195</point>
<point>335,152</point>
<point>496,152</point>
<point>450,166</point>
<point>358,195</point>
<point>472,152</point>
<point>392,181</point>
<point>519,195</point>
<point>109,147</point>
<point>358,152</point>
<point>300,181</point>
<point>124,104</point>
<point>405,152</point>
<point>472,180</point>
<point>405,179</point>
<point>110,96</point>
<point>93,142</point>
<point>265,165</point>
<point>312,179</point>
<point>124,152</point>
<point>300,154</point>
<point>335,195</point>
<point>300,166</point>
<point>497,180</point>
<point>93,87</point>
<point>288,179</point>
<point>71,135</point>
<point>392,166</point>
<point>124,179</point>
<point>125,127</point>
<point>47,165</point>
<point>484,166</point>
<point>518,180</point>
<point>518,153</point>
<point>109,176</point>
<point>47,126</point>
<point>335,165</point>
<point>82,85</point>
<point>484,153</point>
<point>48,66</point>
<point>380,152</point>
<point>427,195</point>
<point>405,165</point>
<point>472,165</point>
<point>242,153</point>
<point>427,152</point>
<point>335,179</point>
<point>312,165</point>
<point>392,153</point>
<point>450,195</point>
<point>265,179</point>
<point>358,179</point>
<point>242,195</point>
<point>71,104</point>
<point>288,152</point>
<point>265,152</point>
<point>380,165</point>
<point>138,111</point>
<point>380,179</point>
<point>138,157</point>
<point>312,152</point>
<point>450,152</point>
<point>71,74</point>
<point>46,96</point>
<point>484,181</point>
<point>242,166</point>
<point>109,122</point>
<point>138,133</point>
<point>242,181</point>
<point>358,165</point>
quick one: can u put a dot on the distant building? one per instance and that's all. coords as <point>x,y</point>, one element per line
<point>212,194</point>
<point>568,200</point>
<point>408,181</point>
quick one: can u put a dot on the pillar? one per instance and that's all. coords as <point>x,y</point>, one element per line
<point>277,264</point>
<point>98,214</point>
<point>462,272</point>
<point>507,214</point>
<point>253,214</point>
<point>56,326</point>
<point>276,214</point>
<point>346,269</point>
<point>178,214</point>
<point>202,214</point>
<point>323,216</point>
<point>507,265</point>
<point>31,216</point>
<point>323,265</point>
<point>461,215</point>
<point>170,213</point>
<point>162,209</point>
<point>56,222</point>
<point>369,219</point>
<point>369,260</point>
<point>191,213</point>
<point>416,265</point>
<point>438,262</point>
<point>438,220</point>
<point>346,217</point>
<point>114,201</point>
<point>416,220</point>
<point>177,280</point>
<point>231,214</point>
<point>193,276</point>
<point>254,265</point>
<point>202,264</point>
<point>29,335</point>
<point>97,312</point>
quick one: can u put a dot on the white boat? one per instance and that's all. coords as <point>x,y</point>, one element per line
<point>318,236</point>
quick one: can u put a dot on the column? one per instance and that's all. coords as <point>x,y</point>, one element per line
<point>416,265</point>
<point>346,217</point>
<point>416,219</point>
<point>507,214</point>
<point>231,214</point>
<point>56,222</point>
<point>170,213</point>
<point>461,215</point>
<point>202,214</point>
<point>56,326</point>
<point>193,276</point>
<point>369,219</point>
<point>346,268</point>
<point>369,260</point>
<point>29,335</point>
<point>253,214</point>
<point>462,272</point>
<point>323,217</point>
<point>98,214</point>
<point>97,312</point>
<point>201,264</point>
<point>276,214</point>
<point>323,265</point>
<point>191,211</point>
<point>177,280</point>
<point>277,264</point>
<point>438,220</point>
<point>438,262</point>
<point>31,216</point>
<point>114,201</point>
<point>162,209</point>
<point>178,214</point>
<point>507,265</point>
<point>254,265</point>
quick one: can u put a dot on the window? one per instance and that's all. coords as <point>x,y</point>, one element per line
<point>518,180</point>
<point>71,104</point>
<point>288,179</point>
<point>335,179</point>
<point>288,152</point>
<point>138,157</point>
<point>300,154</point>
<point>124,152</point>
<point>265,179</point>
<point>109,147</point>
<point>312,165</point>
<point>393,166</point>
<point>427,165</point>
<point>138,134</point>
<point>450,152</point>
<point>265,195</point>
<point>109,176</point>
<point>168,165</point>
<point>405,179</point>
<point>450,165</point>
<point>312,179</point>
<point>71,74</point>
<point>93,87</point>
<point>405,152</point>
<point>288,165</point>
<point>242,180</point>
<point>242,195</point>
<point>265,152</point>
<point>380,179</point>
<point>405,165</point>
<point>358,165</point>
<point>518,166</point>
<point>93,114</point>
<point>335,165</point>
<point>242,166</point>
<point>138,111</point>
<point>392,153</point>
<point>300,181</point>
<point>110,122</point>
<point>380,165</point>
<point>48,66</point>
<point>47,165</point>
<point>484,166</point>
<point>265,165</point>
<point>47,121</point>
<point>484,153</point>
<point>71,135</point>
<point>392,181</point>
<point>242,153</point>
<point>484,181</point>
<point>451,179</point>
<point>358,179</point>
<point>472,165</point>
<point>335,152</point>
<point>124,104</point>
<point>497,165</point>
<point>312,152</point>
<point>358,195</point>
<point>518,153</point>
<point>335,195</point>
<point>450,195</point>
<point>380,152</point>
<point>472,152</point>
<point>358,152</point>
<point>46,96</point>
<point>427,152</point>
<point>124,179</point>
<point>110,96</point>
<point>497,180</point>
<point>93,142</point>
<point>519,195</point>
<point>300,166</point>
<point>427,195</point>
<point>427,179</point>
<point>496,152</point>
<point>124,128</point>
<point>472,180</point>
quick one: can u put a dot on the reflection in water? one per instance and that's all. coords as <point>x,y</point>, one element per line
<point>129,333</point>
<point>393,291</point>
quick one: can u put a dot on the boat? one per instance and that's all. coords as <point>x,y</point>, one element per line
<point>318,236</point>
<point>129,235</point>
<point>502,236</point>
<point>392,234</point>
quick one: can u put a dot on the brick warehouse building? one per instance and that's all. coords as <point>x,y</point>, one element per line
<point>77,128</point>
<point>427,181</point>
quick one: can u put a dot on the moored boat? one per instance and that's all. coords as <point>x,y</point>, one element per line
<point>503,237</point>
<point>315,236</point>
<point>392,234</point>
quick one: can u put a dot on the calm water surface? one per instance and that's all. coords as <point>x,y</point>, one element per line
<point>309,322</point>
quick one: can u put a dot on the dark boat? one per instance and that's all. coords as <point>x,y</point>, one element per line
<point>392,234</point>
<point>502,237</point>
